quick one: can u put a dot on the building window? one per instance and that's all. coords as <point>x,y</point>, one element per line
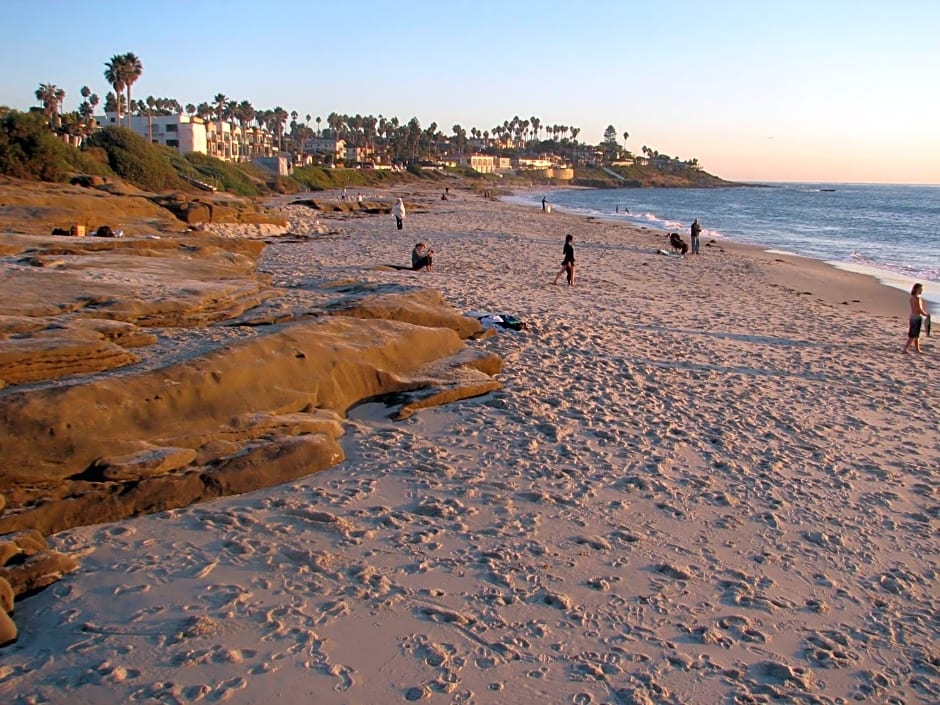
<point>173,143</point>
<point>172,128</point>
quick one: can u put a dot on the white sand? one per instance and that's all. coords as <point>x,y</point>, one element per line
<point>707,480</point>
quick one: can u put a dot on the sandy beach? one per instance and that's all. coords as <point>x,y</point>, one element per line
<point>705,480</point>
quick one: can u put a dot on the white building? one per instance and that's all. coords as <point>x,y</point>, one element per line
<point>326,145</point>
<point>482,163</point>
<point>536,163</point>
<point>184,133</point>
<point>188,133</point>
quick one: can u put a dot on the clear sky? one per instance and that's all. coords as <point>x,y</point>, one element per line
<point>756,90</point>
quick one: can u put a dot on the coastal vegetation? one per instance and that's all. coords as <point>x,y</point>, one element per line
<point>30,150</point>
<point>51,144</point>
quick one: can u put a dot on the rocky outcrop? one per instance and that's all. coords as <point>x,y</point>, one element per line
<point>218,209</point>
<point>103,447</point>
<point>258,412</point>
<point>254,393</point>
<point>79,305</point>
<point>26,565</point>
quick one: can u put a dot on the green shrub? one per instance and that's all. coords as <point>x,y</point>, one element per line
<point>29,149</point>
<point>240,179</point>
<point>134,159</point>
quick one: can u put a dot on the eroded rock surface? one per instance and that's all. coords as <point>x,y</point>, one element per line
<point>98,423</point>
<point>140,374</point>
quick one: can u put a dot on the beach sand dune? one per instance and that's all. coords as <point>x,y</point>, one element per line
<point>705,480</point>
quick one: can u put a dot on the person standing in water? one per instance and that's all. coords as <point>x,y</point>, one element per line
<point>567,264</point>
<point>918,316</point>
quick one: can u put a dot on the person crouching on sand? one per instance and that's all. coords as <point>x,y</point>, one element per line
<point>421,257</point>
<point>918,316</point>
<point>567,264</point>
<point>398,210</point>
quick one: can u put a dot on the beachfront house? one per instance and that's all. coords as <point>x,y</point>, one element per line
<point>493,141</point>
<point>332,146</point>
<point>189,133</point>
<point>540,163</point>
<point>234,143</point>
<point>482,163</point>
<point>184,133</point>
<point>359,155</point>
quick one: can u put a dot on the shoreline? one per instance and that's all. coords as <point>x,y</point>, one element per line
<point>703,480</point>
<point>887,277</point>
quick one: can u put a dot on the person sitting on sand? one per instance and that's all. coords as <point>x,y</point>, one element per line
<point>567,264</point>
<point>421,257</point>
<point>918,315</point>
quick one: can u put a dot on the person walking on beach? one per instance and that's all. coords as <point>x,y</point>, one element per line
<point>421,257</point>
<point>694,233</point>
<point>398,210</point>
<point>919,315</point>
<point>567,264</point>
<point>543,204</point>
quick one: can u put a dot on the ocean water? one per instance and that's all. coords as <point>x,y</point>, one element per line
<point>889,231</point>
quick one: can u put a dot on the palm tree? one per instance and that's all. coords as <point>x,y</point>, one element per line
<point>278,119</point>
<point>114,75</point>
<point>319,120</point>
<point>245,114</point>
<point>132,70</point>
<point>220,101</point>
<point>121,72</point>
<point>151,103</point>
<point>51,97</point>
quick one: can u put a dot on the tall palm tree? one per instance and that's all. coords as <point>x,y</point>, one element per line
<point>245,114</point>
<point>220,101</point>
<point>114,75</point>
<point>151,104</point>
<point>319,120</point>
<point>132,70</point>
<point>122,71</point>
<point>279,116</point>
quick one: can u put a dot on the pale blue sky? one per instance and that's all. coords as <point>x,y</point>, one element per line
<point>761,91</point>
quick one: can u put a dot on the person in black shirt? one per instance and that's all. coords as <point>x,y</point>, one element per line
<point>567,264</point>
<point>695,230</point>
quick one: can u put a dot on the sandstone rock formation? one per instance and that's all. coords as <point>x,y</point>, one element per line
<point>263,409</point>
<point>145,373</point>
<point>26,565</point>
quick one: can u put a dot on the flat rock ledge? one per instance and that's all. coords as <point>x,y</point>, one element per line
<point>88,435</point>
<point>254,414</point>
